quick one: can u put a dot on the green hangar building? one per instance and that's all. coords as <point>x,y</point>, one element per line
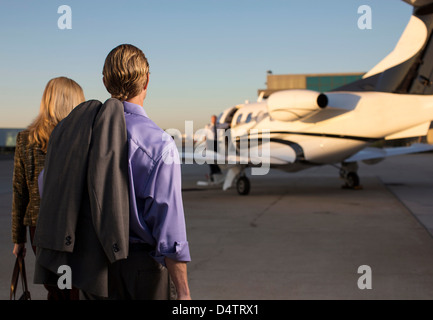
<point>317,82</point>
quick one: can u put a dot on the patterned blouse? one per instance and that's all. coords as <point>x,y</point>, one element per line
<point>29,162</point>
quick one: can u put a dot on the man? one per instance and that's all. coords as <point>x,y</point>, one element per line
<point>157,217</point>
<point>154,223</point>
<point>212,144</point>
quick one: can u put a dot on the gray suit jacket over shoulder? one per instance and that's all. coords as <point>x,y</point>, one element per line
<point>84,214</point>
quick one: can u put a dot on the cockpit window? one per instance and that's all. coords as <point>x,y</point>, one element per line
<point>238,120</point>
<point>219,117</point>
<point>250,115</point>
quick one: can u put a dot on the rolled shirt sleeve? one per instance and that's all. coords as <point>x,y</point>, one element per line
<point>164,214</point>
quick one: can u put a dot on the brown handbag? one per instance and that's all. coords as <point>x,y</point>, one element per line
<point>19,269</point>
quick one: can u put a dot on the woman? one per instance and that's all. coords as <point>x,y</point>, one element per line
<point>60,96</point>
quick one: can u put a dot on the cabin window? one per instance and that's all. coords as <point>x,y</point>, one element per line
<point>238,120</point>
<point>250,115</point>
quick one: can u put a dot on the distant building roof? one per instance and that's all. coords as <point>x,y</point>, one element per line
<point>321,82</point>
<point>8,137</point>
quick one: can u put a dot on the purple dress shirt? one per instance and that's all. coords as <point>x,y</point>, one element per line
<point>156,207</point>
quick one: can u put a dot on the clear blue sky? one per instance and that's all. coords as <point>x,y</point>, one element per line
<point>205,55</point>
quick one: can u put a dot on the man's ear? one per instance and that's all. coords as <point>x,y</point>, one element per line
<point>147,82</point>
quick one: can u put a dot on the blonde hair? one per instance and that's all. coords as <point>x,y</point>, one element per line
<point>60,96</point>
<point>126,72</point>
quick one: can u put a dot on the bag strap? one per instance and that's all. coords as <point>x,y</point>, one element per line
<point>26,292</point>
<point>19,268</point>
<point>14,282</point>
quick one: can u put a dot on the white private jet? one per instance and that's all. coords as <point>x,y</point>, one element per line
<point>303,128</point>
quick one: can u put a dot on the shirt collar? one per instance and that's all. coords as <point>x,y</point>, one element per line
<point>134,108</point>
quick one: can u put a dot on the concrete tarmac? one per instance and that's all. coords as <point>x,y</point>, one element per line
<point>296,236</point>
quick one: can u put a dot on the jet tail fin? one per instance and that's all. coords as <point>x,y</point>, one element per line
<point>408,68</point>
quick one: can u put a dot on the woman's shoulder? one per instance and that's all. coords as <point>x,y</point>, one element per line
<point>23,137</point>
<point>26,148</point>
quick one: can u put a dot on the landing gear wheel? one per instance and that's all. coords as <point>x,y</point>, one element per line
<point>348,173</point>
<point>352,180</point>
<point>243,186</point>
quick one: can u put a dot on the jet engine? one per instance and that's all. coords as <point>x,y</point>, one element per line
<point>291,105</point>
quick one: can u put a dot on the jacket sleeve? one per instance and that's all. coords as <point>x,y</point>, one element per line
<point>20,195</point>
